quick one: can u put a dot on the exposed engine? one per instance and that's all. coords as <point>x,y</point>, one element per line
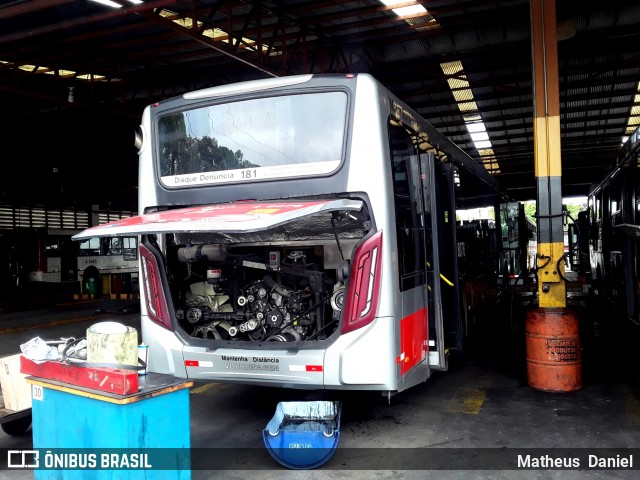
<point>232,297</point>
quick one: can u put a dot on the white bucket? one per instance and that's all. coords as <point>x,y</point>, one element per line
<point>112,342</point>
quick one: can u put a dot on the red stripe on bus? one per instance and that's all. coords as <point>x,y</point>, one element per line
<point>191,363</point>
<point>314,368</point>
<point>413,333</point>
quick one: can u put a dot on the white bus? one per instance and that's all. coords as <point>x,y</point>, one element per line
<point>108,265</point>
<point>297,232</point>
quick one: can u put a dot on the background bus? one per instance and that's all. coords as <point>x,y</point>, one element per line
<point>37,252</point>
<point>614,233</point>
<point>108,265</point>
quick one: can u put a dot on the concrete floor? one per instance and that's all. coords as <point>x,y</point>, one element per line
<point>483,402</point>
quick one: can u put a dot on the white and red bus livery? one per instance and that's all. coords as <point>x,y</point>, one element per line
<point>296,232</point>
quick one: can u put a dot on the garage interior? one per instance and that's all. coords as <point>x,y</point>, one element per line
<point>75,76</point>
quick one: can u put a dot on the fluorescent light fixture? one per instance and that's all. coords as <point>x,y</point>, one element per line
<point>483,144</point>
<point>136,2</point>
<point>479,136</point>
<point>407,10</point>
<point>413,13</point>
<point>461,91</point>
<point>108,3</point>
<point>476,127</point>
<point>410,10</point>
<point>471,117</point>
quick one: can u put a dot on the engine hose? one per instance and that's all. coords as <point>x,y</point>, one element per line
<point>279,289</point>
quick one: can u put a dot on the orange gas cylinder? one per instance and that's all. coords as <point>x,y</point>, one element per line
<point>554,356</point>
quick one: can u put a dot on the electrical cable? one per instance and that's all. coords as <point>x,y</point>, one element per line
<point>71,347</point>
<point>540,256</point>
<point>334,216</point>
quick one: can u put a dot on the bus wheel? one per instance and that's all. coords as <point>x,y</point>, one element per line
<point>16,427</point>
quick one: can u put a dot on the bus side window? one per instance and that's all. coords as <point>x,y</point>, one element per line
<point>409,227</point>
<point>130,248</point>
<point>114,246</point>
<point>90,247</point>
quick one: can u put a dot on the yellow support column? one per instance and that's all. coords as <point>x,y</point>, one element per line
<point>554,361</point>
<point>548,164</point>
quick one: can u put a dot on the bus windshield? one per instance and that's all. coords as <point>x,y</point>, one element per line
<point>262,138</point>
<point>127,247</point>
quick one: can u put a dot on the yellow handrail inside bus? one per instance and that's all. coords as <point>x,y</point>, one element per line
<point>447,281</point>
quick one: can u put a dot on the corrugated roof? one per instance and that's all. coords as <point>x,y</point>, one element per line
<point>145,58</point>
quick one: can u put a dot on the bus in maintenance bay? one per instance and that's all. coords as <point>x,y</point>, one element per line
<point>297,232</point>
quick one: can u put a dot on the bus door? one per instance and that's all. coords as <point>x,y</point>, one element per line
<point>412,314</point>
<point>436,346</point>
<point>453,316</point>
<point>68,260</point>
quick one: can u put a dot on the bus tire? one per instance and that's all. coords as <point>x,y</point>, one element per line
<point>16,427</point>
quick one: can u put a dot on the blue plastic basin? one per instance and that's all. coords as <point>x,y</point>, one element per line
<point>303,435</point>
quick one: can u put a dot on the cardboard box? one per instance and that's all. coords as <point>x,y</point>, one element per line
<point>15,389</point>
